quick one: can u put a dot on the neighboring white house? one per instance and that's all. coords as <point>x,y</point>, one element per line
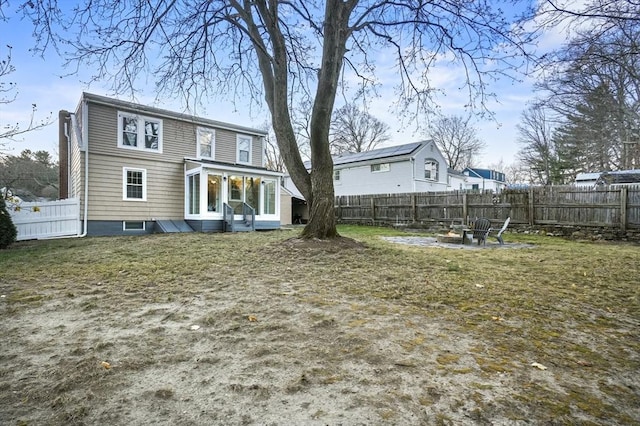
<point>413,167</point>
<point>586,179</point>
<point>612,178</point>
<point>457,181</point>
<point>484,179</point>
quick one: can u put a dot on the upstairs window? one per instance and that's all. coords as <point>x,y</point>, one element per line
<point>336,175</point>
<point>431,169</point>
<point>206,143</point>
<point>134,185</point>
<point>138,132</point>
<point>243,149</point>
<point>382,167</point>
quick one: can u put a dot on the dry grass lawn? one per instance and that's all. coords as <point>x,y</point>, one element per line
<point>260,328</point>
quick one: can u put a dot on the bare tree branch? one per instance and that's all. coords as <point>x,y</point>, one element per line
<point>353,130</point>
<point>279,51</point>
<point>457,139</point>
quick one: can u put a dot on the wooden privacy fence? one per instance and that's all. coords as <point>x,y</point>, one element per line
<point>549,205</point>
<point>46,220</point>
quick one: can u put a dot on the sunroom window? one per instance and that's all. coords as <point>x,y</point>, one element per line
<point>193,188</point>
<point>214,193</point>
<point>269,197</point>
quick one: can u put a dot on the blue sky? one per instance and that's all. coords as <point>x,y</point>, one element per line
<point>45,82</point>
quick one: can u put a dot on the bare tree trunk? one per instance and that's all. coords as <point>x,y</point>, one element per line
<point>322,221</point>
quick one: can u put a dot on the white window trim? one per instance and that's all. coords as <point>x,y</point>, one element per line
<point>124,183</point>
<point>383,168</point>
<point>238,139</point>
<point>437,169</point>
<point>140,139</point>
<point>124,225</point>
<point>263,213</point>
<point>213,142</point>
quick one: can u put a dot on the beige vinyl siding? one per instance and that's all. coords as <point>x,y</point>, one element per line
<point>227,149</point>
<point>165,190</point>
<point>164,171</point>
<point>76,162</point>
<point>257,152</point>
<point>178,137</point>
<point>76,178</point>
<point>225,146</point>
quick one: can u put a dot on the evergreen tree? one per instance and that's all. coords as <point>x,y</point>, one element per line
<point>8,232</point>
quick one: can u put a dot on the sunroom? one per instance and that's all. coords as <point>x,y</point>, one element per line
<point>220,197</point>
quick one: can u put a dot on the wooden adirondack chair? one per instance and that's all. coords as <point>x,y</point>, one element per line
<point>481,229</point>
<point>504,227</point>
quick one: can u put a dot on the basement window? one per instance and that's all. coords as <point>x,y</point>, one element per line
<point>136,225</point>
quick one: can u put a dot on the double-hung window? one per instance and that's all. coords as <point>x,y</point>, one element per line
<point>431,169</point>
<point>206,143</point>
<point>243,149</point>
<point>134,184</point>
<point>138,132</point>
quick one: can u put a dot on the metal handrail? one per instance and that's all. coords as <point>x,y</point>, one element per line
<point>249,215</point>
<point>227,218</point>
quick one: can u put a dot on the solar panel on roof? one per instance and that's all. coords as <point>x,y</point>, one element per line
<point>391,151</point>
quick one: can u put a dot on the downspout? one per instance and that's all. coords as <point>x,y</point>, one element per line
<point>74,128</point>
<point>81,142</point>
<point>413,174</point>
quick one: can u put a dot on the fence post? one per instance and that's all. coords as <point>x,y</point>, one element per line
<point>531,208</point>
<point>373,210</point>
<point>623,208</point>
<point>465,208</point>
<point>413,207</point>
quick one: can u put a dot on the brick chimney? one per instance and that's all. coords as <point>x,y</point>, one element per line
<point>64,129</point>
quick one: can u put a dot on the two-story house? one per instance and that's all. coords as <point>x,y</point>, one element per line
<point>139,169</point>
<point>484,179</point>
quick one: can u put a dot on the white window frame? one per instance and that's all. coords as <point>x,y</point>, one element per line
<point>380,168</point>
<point>203,130</point>
<point>240,138</point>
<point>124,225</point>
<point>124,183</point>
<point>140,139</point>
<point>436,169</point>
<point>336,175</point>
<point>263,194</point>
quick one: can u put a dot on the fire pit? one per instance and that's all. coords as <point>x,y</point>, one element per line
<point>450,238</point>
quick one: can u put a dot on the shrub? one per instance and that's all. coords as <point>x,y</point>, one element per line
<point>8,232</point>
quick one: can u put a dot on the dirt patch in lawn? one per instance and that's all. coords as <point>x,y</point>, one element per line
<point>268,329</point>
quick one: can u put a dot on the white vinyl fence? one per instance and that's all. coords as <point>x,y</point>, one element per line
<point>49,219</point>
